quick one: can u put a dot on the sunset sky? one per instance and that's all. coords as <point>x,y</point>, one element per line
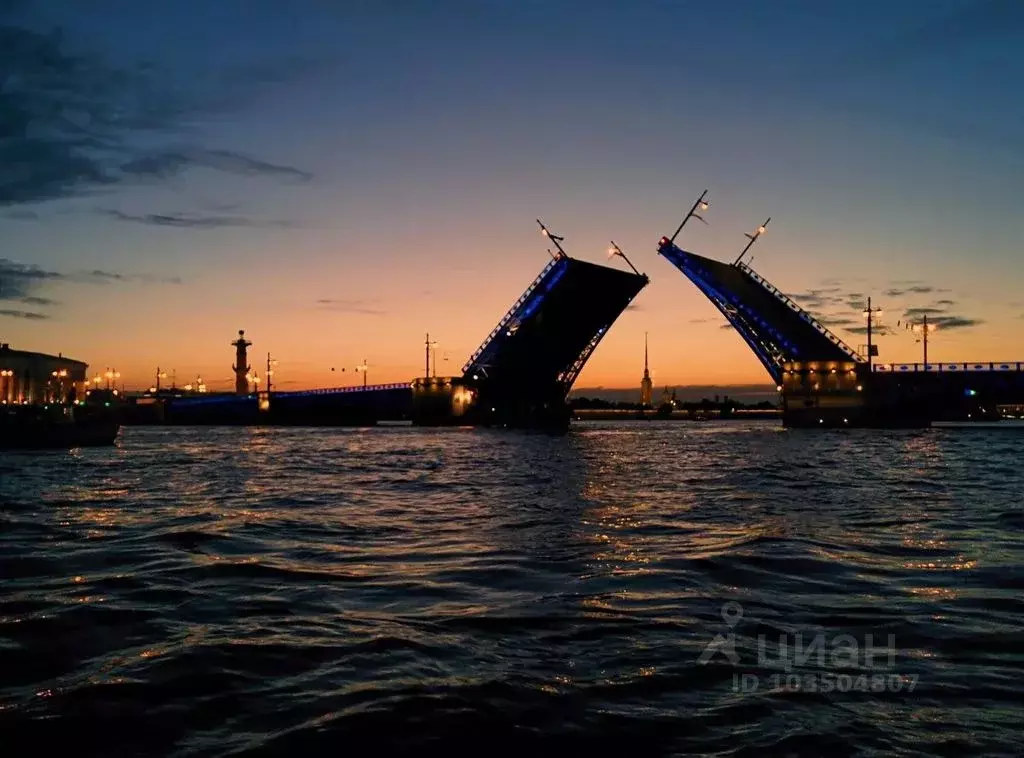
<point>338,178</point>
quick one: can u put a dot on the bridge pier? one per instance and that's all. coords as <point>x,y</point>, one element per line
<point>442,401</point>
<point>845,394</point>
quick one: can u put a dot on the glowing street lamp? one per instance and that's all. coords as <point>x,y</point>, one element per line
<point>701,204</point>
<point>753,238</point>
<point>924,329</point>
<point>616,250</point>
<point>554,238</point>
<point>871,314</point>
<point>8,385</point>
<point>60,375</point>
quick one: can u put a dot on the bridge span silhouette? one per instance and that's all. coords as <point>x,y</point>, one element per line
<point>520,376</point>
<point>823,381</point>
<point>522,373</point>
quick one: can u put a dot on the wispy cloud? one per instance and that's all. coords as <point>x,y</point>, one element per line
<point>914,313</point>
<point>29,315</point>
<point>360,307</point>
<point>914,289</point>
<point>956,322</point>
<point>939,315</point>
<point>817,298</point>
<point>192,220</point>
<point>168,163</point>
<point>21,282</point>
<point>21,215</point>
<point>74,124</point>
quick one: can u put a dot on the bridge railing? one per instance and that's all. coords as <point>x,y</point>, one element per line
<point>511,312</point>
<point>796,308</point>
<point>344,390</point>
<point>231,398</point>
<point>946,368</point>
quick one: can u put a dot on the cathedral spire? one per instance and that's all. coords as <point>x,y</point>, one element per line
<point>646,385</point>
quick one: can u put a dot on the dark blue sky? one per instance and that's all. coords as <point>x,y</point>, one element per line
<point>369,170</point>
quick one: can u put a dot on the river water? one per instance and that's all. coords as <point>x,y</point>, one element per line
<point>634,588</point>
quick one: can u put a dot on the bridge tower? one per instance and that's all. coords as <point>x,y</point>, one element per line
<point>241,367</point>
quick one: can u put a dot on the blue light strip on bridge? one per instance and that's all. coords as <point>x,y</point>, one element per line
<point>536,295</point>
<point>697,275</point>
<point>188,401</point>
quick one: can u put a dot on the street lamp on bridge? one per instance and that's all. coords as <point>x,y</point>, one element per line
<point>616,250</point>
<point>871,313</point>
<point>431,354</point>
<point>364,367</point>
<point>923,328</point>
<point>753,238</point>
<point>701,204</point>
<point>554,238</point>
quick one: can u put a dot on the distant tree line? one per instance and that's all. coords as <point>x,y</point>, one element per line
<point>724,406</point>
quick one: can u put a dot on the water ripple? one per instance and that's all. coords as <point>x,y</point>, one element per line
<point>202,592</point>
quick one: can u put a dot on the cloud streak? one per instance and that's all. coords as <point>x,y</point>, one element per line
<point>192,220</point>
<point>169,163</point>
<point>21,282</point>
<point>359,307</point>
<point>29,315</point>
<point>915,289</point>
<point>71,124</point>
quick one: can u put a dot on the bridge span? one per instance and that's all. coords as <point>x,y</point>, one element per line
<point>523,370</point>
<point>520,376</point>
<point>825,382</point>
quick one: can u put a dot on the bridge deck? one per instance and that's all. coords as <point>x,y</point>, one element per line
<point>542,343</point>
<point>775,327</point>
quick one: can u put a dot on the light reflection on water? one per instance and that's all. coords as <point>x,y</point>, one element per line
<point>241,585</point>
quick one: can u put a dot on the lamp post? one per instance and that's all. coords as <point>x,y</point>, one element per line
<point>270,370</point>
<point>872,349</point>
<point>616,250</point>
<point>60,375</point>
<point>924,329</point>
<point>364,367</point>
<point>753,238</point>
<point>430,345</point>
<point>554,238</point>
<point>701,204</point>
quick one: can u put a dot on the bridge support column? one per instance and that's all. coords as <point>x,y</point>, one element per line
<point>442,401</point>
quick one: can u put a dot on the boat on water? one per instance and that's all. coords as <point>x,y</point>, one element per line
<point>57,427</point>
